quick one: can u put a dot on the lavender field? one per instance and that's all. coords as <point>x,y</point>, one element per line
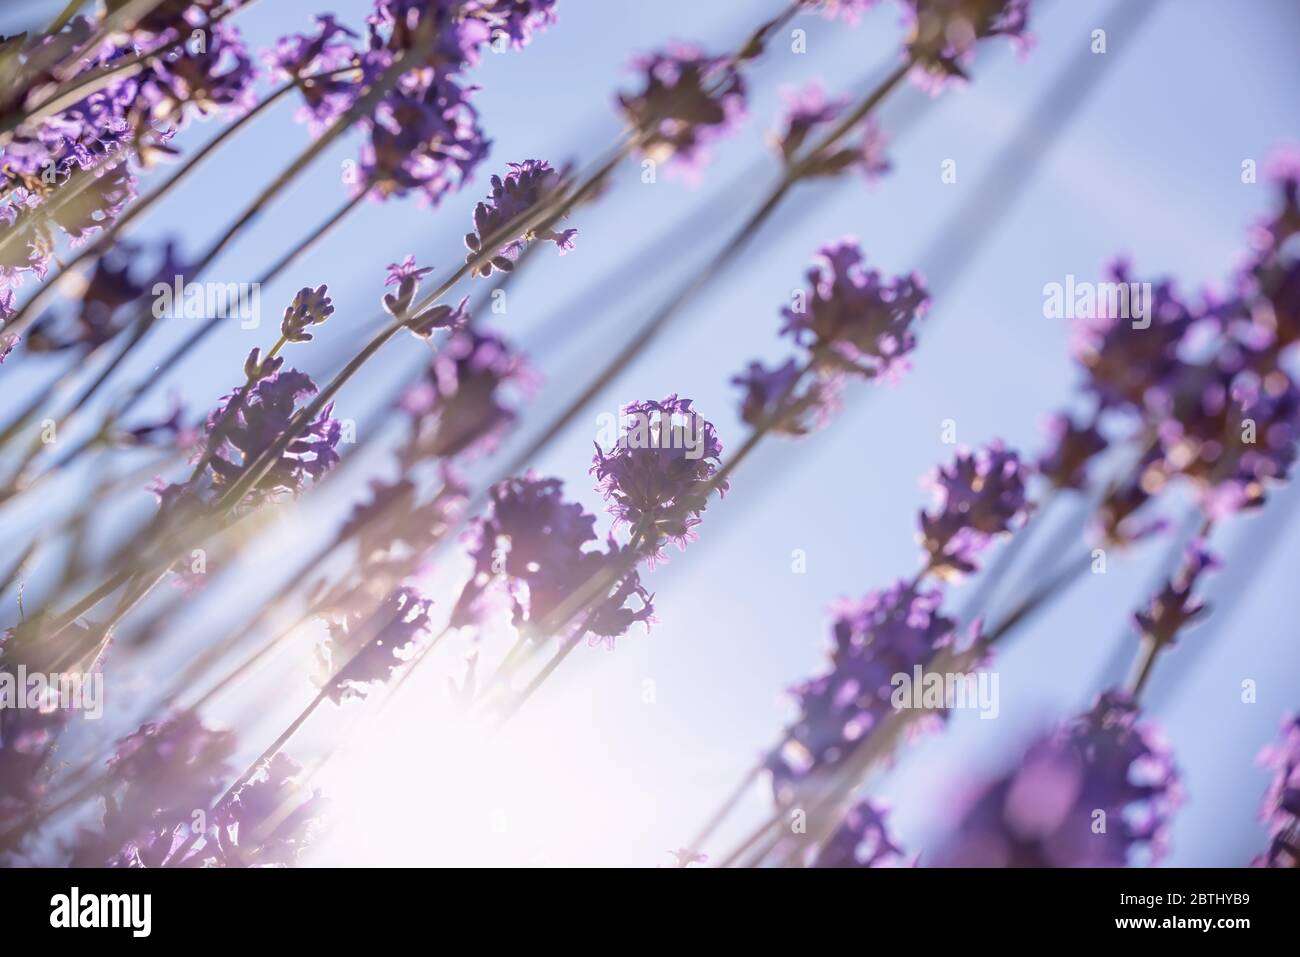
<point>596,433</point>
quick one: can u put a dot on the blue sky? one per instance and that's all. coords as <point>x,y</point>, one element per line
<point>1148,165</point>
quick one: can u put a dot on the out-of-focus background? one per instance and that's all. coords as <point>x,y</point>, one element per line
<point>1064,160</point>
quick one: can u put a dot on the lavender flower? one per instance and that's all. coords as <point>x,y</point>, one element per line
<point>943,34</point>
<point>535,542</point>
<point>850,11</point>
<point>853,320</point>
<point>364,649</point>
<point>1065,465</point>
<point>308,59</point>
<point>456,410</point>
<point>269,821</point>
<point>807,110</point>
<point>1095,793</point>
<point>529,185</point>
<point>887,633</point>
<point>980,496</point>
<point>861,840</point>
<point>1174,608</point>
<point>1281,808</point>
<point>658,476</point>
<point>252,425</point>
<point>773,400</point>
<point>310,307</point>
<point>422,324</point>
<point>689,101</point>
<point>424,136</point>
<point>160,775</point>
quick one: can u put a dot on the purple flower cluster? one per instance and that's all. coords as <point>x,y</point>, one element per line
<point>861,840</point>
<point>457,409</point>
<point>1095,793</point>
<point>1174,607</point>
<point>851,318</point>
<point>528,186</point>
<point>269,821</point>
<point>808,110</point>
<point>886,633</point>
<point>535,543</point>
<point>658,476</point>
<point>366,648</point>
<point>311,60</point>
<point>310,307</point>
<point>943,34</point>
<point>1281,809</point>
<point>252,419</point>
<point>1072,448</point>
<point>980,496</point>
<point>776,399</point>
<point>421,323</point>
<point>689,101</point>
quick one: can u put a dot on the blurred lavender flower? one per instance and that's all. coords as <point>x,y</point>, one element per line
<point>943,34</point>
<point>160,775</point>
<point>364,649</point>
<point>850,11</point>
<point>424,136</point>
<point>310,307</point>
<point>980,496</point>
<point>1174,607</point>
<point>886,633</point>
<point>269,821</point>
<point>1065,464</point>
<point>456,410</point>
<point>513,20</point>
<point>853,320</point>
<point>534,542</point>
<point>1281,808</point>
<point>306,59</point>
<point>1092,794</point>
<point>861,840</point>
<point>773,399</point>
<point>251,424</point>
<point>659,474</point>
<point>529,185</point>
<point>689,101</point>
<point>808,109</point>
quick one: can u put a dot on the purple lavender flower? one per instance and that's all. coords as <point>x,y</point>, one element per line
<point>528,186</point>
<point>424,136</point>
<point>943,34</point>
<point>689,101</point>
<point>861,840</point>
<point>1281,808</point>
<point>310,307</point>
<point>406,276</point>
<point>218,76</point>
<point>269,821</point>
<point>364,649</point>
<point>1065,464</point>
<point>772,397</point>
<point>456,410</point>
<point>850,11</point>
<point>1095,793</point>
<point>885,634</point>
<point>853,320</point>
<point>161,775</point>
<point>1174,608</point>
<point>436,30</point>
<point>807,110</point>
<point>657,478</point>
<point>307,59</point>
<point>514,20</point>
<point>251,426</point>
<point>534,542</point>
<point>980,496</point>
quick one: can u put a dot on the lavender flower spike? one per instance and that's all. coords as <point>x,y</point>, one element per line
<point>310,307</point>
<point>406,277</point>
<point>1281,810</point>
<point>979,496</point>
<point>1097,792</point>
<point>659,474</point>
<point>861,840</point>
<point>528,186</point>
